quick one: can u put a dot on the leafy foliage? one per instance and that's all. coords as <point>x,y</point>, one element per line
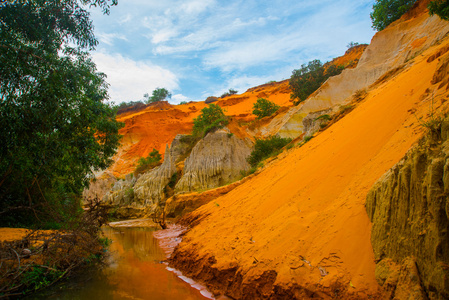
<point>309,78</point>
<point>211,118</point>
<point>352,45</point>
<point>229,93</point>
<point>441,8</point>
<point>386,12</point>
<point>56,129</point>
<point>159,94</point>
<point>264,108</point>
<point>324,117</point>
<point>146,163</point>
<point>266,148</point>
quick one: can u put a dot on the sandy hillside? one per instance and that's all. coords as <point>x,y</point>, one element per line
<point>158,124</point>
<point>309,204</point>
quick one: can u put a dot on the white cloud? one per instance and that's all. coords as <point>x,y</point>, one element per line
<point>131,79</point>
<point>178,98</point>
<point>108,38</point>
<point>216,45</point>
<point>125,19</point>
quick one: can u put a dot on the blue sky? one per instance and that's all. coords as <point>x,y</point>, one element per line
<point>201,48</point>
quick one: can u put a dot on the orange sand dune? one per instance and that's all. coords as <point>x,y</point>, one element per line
<point>158,124</point>
<point>310,204</point>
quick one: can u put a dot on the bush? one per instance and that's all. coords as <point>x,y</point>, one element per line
<point>211,118</point>
<point>159,94</point>
<point>309,78</point>
<point>307,138</point>
<point>146,163</point>
<point>386,12</point>
<point>264,108</point>
<point>211,99</point>
<point>263,149</point>
<point>359,95</point>
<point>352,45</point>
<point>441,8</point>
<point>231,92</point>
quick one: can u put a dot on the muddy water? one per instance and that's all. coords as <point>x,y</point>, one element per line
<point>134,271</point>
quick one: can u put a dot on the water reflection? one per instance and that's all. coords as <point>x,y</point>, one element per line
<point>134,271</point>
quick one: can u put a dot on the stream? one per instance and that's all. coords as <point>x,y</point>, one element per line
<point>134,270</point>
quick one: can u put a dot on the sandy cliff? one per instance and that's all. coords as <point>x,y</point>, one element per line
<point>299,228</point>
<point>218,159</point>
<point>390,50</point>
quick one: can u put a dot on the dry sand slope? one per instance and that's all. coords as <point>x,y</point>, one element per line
<point>309,205</point>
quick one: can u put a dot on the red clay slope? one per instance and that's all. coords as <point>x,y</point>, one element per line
<point>255,242</point>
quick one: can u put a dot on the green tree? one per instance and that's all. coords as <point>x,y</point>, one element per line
<point>309,78</point>
<point>146,163</point>
<point>441,8</point>
<point>212,117</point>
<point>264,108</point>
<point>159,94</point>
<point>56,128</point>
<point>386,12</point>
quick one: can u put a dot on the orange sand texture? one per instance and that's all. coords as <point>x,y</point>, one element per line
<point>310,203</point>
<point>12,234</point>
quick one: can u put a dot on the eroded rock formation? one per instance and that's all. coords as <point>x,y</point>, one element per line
<point>216,160</point>
<point>122,193</point>
<point>179,147</point>
<point>409,208</point>
<point>391,49</point>
<point>149,188</point>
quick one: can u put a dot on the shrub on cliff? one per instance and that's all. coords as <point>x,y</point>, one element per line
<point>386,12</point>
<point>264,108</point>
<point>266,148</point>
<point>146,163</point>
<point>229,93</point>
<point>212,117</point>
<point>441,8</point>
<point>309,78</point>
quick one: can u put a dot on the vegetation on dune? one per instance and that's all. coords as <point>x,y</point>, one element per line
<point>126,106</point>
<point>159,94</point>
<point>145,163</point>
<point>229,93</point>
<point>352,45</point>
<point>309,78</point>
<point>211,118</point>
<point>265,148</point>
<point>440,8</point>
<point>264,108</point>
<point>386,12</point>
